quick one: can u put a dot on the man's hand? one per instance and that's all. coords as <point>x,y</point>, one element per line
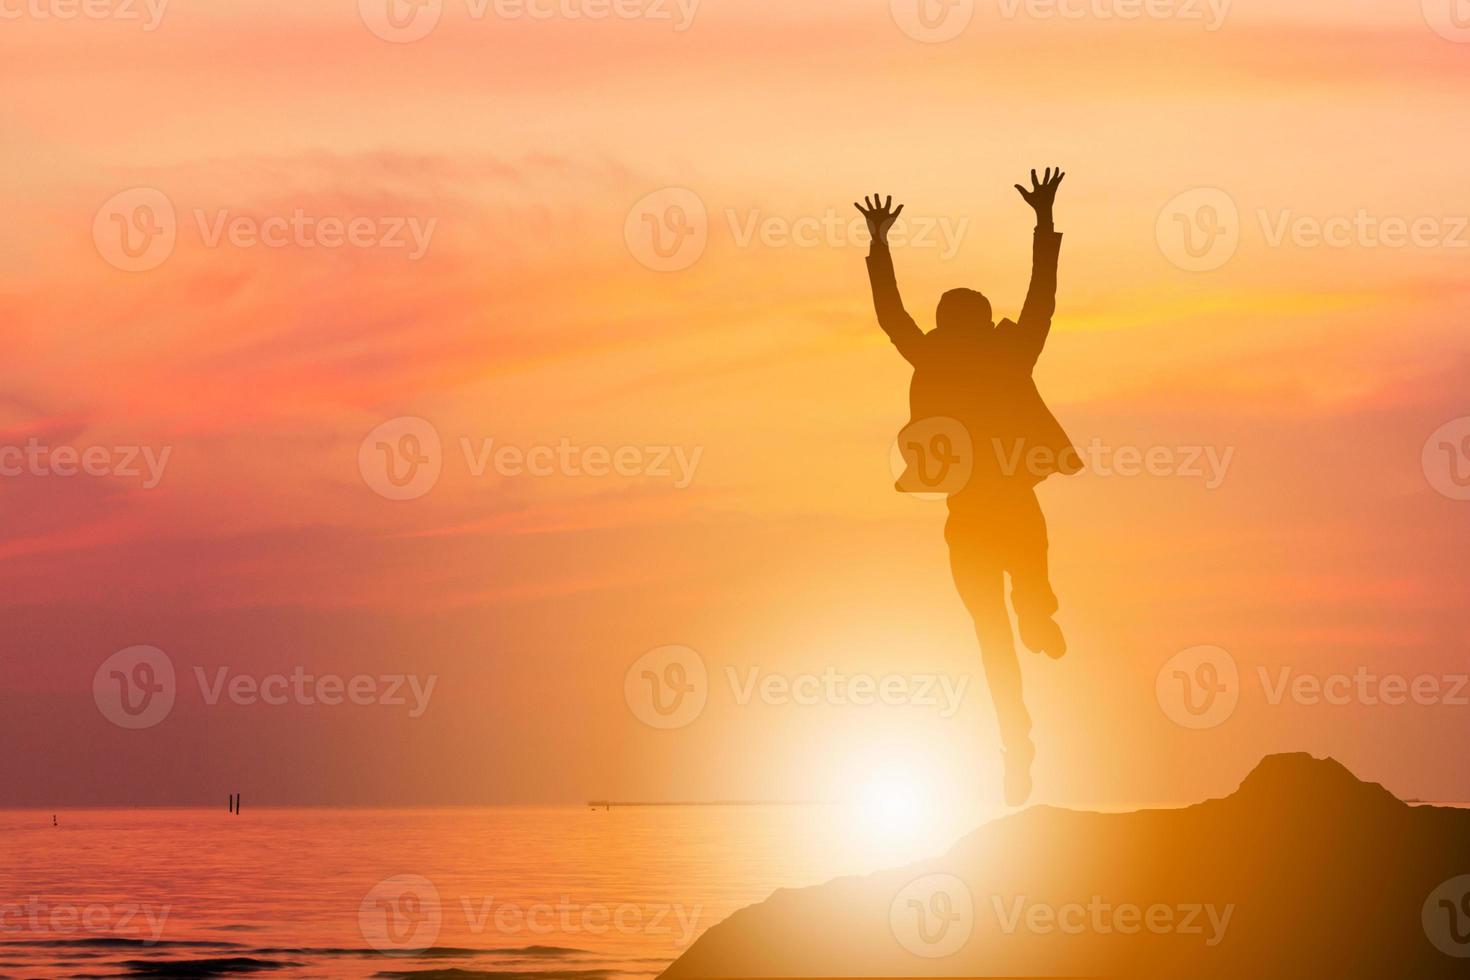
<point>1043,192</point>
<point>879,217</point>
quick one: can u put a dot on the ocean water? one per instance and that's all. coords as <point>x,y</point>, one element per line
<point>565,893</point>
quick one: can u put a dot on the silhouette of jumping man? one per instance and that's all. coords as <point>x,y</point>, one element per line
<point>980,433</point>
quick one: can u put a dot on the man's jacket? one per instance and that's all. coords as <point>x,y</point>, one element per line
<point>980,377</point>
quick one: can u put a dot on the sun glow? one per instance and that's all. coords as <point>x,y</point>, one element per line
<point>893,805</point>
<point>907,794</point>
<point>903,815</point>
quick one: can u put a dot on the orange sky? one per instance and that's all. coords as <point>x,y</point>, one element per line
<point>519,146</point>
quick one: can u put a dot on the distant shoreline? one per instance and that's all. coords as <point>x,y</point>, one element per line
<point>101,807</point>
<point>608,804</point>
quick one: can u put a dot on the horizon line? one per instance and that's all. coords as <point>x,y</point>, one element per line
<point>61,808</point>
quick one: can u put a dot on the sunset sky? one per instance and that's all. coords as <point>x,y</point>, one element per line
<point>525,151</point>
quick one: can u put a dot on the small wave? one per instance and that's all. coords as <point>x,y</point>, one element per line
<point>216,967</point>
<point>120,942</point>
<point>457,974</point>
<point>429,952</point>
<point>538,951</point>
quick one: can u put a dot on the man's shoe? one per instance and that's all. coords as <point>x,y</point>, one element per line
<point>1044,636</point>
<point>1018,759</point>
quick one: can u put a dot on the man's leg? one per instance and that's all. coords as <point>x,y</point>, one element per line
<point>1031,594</point>
<point>980,580</point>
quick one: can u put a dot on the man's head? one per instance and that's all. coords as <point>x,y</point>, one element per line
<point>964,308</point>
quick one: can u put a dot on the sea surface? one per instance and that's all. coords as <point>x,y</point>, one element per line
<point>562,893</point>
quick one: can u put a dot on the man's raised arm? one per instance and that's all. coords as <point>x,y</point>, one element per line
<point>892,317</point>
<point>1041,298</point>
